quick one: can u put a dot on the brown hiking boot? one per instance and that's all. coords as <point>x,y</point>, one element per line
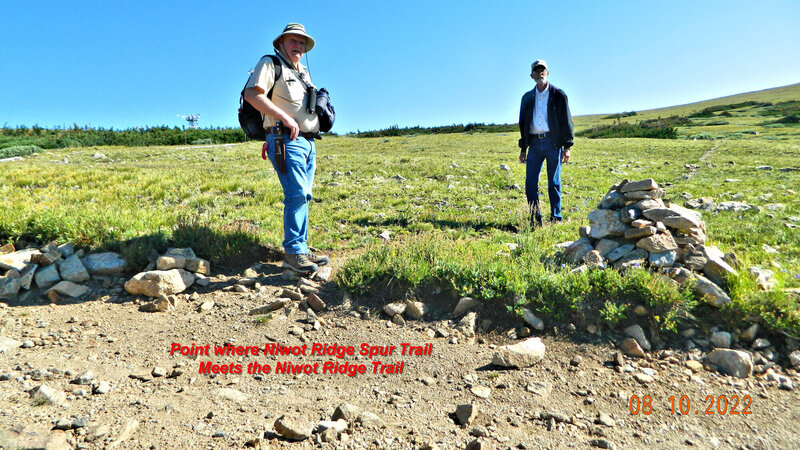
<point>319,260</point>
<point>299,263</point>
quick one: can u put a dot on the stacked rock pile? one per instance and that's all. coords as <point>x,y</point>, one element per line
<point>57,268</point>
<point>633,227</point>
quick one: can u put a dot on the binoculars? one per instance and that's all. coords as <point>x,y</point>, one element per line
<point>311,107</point>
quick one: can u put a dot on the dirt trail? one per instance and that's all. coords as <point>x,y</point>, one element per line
<point>575,397</point>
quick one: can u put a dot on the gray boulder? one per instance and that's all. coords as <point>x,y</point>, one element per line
<point>72,269</point>
<point>711,293</point>
<point>732,362</point>
<point>605,222</point>
<point>46,276</point>
<point>642,185</point>
<point>107,263</point>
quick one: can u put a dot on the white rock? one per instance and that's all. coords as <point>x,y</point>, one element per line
<point>17,260</point>
<point>393,309</point>
<point>520,355</point>
<point>160,282</point>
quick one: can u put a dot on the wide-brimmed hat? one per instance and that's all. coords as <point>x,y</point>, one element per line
<point>295,28</point>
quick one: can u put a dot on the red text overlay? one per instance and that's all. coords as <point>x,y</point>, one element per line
<point>321,358</point>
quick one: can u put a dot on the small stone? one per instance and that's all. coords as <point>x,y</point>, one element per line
<point>636,332</point>
<point>370,420</point>
<point>103,387</point>
<point>694,366</point>
<point>761,343</point>
<point>315,302</point>
<point>481,391</point>
<point>85,377</point>
<point>605,420</point>
<point>530,318</point>
<point>465,304</point>
<point>732,362</point>
<point>643,378</point>
<point>159,372</point>
<point>521,355</point>
<point>750,333</point>
<point>294,428</point>
<point>466,413</point>
<point>721,339</point>
<point>632,348</point>
<point>207,305</point>
<point>347,412</point>
<point>393,309</point>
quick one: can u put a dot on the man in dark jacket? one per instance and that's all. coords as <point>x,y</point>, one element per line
<point>545,126</point>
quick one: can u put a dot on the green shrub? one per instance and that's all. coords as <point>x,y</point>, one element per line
<point>708,112</point>
<point>620,115</point>
<point>651,129</point>
<point>205,141</point>
<point>19,150</point>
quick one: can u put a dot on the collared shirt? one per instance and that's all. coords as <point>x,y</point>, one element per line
<point>539,122</point>
<point>289,93</point>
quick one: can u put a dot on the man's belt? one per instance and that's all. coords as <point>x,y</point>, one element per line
<point>277,130</point>
<point>540,135</point>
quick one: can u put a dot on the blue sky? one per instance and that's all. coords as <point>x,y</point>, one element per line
<point>141,63</point>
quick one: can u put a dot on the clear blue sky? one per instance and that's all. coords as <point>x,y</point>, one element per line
<point>124,63</point>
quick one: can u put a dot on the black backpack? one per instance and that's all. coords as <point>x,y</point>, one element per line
<point>250,119</point>
<point>325,111</point>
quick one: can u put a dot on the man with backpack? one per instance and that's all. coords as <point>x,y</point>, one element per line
<point>280,89</point>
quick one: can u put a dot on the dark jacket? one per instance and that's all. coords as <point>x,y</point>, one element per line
<point>559,118</point>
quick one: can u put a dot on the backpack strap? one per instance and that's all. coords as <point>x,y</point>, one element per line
<point>278,70</point>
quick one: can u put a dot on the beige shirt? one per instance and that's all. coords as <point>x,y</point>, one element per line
<point>289,93</point>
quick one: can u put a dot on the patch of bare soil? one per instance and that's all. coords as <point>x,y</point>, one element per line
<point>579,395</point>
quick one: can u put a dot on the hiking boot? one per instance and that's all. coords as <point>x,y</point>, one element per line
<point>299,263</point>
<point>536,216</point>
<point>319,260</point>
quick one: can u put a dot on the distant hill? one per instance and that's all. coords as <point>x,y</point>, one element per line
<point>769,112</point>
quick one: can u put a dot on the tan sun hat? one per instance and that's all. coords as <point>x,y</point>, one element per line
<point>295,28</point>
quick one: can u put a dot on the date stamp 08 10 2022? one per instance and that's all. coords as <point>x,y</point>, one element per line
<point>723,404</point>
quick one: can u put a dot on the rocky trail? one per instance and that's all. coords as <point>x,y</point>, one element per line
<point>332,372</point>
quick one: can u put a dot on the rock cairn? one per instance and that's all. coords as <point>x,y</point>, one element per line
<point>58,269</point>
<point>633,227</point>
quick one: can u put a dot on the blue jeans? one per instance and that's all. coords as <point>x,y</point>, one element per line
<point>539,151</point>
<point>301,162</point>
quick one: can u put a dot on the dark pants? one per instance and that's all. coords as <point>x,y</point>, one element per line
<point>542,150</point>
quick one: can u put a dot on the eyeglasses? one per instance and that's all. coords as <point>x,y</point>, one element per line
<point>539,69</point>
